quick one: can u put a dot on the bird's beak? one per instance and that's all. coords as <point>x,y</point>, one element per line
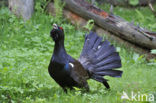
<point>55,26</point>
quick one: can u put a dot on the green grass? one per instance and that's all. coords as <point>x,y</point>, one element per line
<point>25,52</point>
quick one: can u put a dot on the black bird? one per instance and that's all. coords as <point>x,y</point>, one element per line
<point>98,59</point>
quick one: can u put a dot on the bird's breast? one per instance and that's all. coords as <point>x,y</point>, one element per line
<point>58,71</point>
<point>60,74</point>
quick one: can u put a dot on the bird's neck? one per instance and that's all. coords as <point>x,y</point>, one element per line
<point>59,48</point>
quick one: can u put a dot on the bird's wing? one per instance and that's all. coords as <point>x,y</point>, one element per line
<point>78,73</point>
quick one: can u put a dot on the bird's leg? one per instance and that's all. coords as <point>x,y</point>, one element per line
<point>65,90</point>
<point>71,88</point>
<point>87,87</point>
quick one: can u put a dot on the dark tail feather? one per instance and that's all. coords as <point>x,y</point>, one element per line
<point>100,58</point>
<point>89,43</point>
<point>108,66</point>
<point>112,73</point>
<point>112,58</point>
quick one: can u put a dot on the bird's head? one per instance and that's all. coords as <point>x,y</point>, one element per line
<point>57,33</point>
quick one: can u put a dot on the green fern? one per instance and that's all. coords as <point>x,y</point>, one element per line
<point>90,24</point>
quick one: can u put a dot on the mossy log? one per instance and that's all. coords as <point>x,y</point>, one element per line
<point>81,22</point>
<point>113,24</point>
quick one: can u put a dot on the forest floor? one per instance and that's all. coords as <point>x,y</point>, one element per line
<point>26,49</point>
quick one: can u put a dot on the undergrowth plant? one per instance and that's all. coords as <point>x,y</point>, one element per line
<point>58,5</point>
<point>89,25</point>
<point>25,51</point>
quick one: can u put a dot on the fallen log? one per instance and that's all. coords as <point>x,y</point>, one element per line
<point>81,22</point>
<point>113,24</point>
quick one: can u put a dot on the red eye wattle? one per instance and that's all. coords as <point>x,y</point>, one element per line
<point>61,28</point>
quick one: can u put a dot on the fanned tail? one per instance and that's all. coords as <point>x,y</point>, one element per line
<point>100,58</point>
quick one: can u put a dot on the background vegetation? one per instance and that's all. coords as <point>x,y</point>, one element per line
<point>26,49</point>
